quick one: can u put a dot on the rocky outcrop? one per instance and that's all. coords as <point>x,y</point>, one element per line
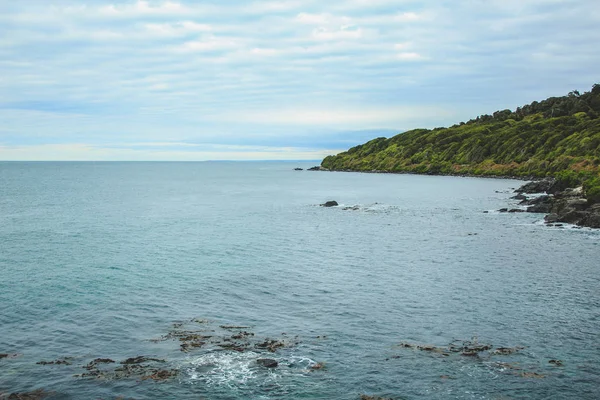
<point>542,186</point>
<point>561,204</point>
<point>330,203</point>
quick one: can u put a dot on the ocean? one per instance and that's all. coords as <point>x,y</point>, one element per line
<point>406,290</point>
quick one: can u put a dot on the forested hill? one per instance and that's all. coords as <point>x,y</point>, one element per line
<point>558,137</point>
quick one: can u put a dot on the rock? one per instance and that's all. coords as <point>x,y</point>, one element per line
<point>367,397</point>
<point>536,200</point>
<point>298,169</point>
<point>316,168</point>
<point>572,192</point>
<point>540,204</point>
<point>317,366</point>
<point>551,218</point>
<point>516,210</point>
<point>137,360</point>
<point>161,375</point>
<point>573,217</point>
<point>503,210</point>
<point>520,196</point>
<point>558,363</point>
<point>353,208</point>
<point>592,220</point>
<point>331,203</point>
<point>60,361</point>
<point>35,395</point>
<point>541,186</point>
<point>267,362</point>
<point>542,208</point>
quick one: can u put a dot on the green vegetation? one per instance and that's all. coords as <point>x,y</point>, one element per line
<point>558,137</point>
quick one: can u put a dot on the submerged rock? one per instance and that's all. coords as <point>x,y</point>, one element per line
<point>34,395</point>
<point>267,362</point>
<point>60,361</point>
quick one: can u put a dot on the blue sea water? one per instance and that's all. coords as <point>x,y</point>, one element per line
<point>99,259</point>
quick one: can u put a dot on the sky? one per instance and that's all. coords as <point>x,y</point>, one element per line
<point>273,80</point>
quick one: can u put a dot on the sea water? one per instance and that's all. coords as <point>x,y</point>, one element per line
<point>103,260</point>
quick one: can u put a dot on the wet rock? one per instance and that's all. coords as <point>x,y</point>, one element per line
<point>330,203</point>
<point>271,345</point>
<point>298,169</point>
<point>551,218</point>
<point>140,359</point>
<point>34,395</point>
<point>542,208</point>
<point>233,327</point>
<point>520,196</point>
<point>367,397</point>
<point>516,210</point>
<point>240,348</point>
<point>316,168</point>
<point>507,350</point>
<point>503,210</point>
<point>353,208</point>
<point>536,200</point>
<point>531,375</point>
<point>557,363</point>
<point>60,361</point>
<point>573,217</point>
<point>267,362</point>
<point>9,356</point>
<point>242,335</point>
<point>317,366</point>
<point>161,375</point>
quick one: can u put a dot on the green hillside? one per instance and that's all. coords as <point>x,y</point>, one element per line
<point>558,137</point>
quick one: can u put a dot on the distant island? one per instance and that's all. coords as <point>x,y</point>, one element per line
<point>555,138</point>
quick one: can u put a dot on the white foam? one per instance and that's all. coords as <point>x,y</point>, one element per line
<point>238,369</point>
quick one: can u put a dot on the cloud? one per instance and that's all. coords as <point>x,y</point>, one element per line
<point>181,71</point>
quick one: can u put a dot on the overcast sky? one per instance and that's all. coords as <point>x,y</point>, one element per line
<point>297,79</point>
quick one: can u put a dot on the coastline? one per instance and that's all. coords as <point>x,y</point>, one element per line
<point>560,204</point>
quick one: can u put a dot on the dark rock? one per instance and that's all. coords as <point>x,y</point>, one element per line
<point>353,208</point>
<point>139,360</point>
<point>60,361</point>
<point>558,363</point>
<point>551,218</point>
<point>542,208</point>
<point>35,395</point>
<point>573,217</point>
<point>541,186</point>
<point>536,200</point>
<point>161,375</point>
<point>271,345</point>
<point>506,350</point>
<point>592,220</point>
<point>520,196</point>
<point>315,168</point>
<point>503,210</point>
<point>331,203</point>
<point>298,169</point>
<point>516,210</point>
<point>267,362</point>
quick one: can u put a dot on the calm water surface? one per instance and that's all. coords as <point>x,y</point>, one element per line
<point>97,259</point>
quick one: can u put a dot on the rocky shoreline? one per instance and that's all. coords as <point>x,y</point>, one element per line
<point>562,205</point>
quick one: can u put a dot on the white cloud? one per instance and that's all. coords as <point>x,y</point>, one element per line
<point>186,71</point>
